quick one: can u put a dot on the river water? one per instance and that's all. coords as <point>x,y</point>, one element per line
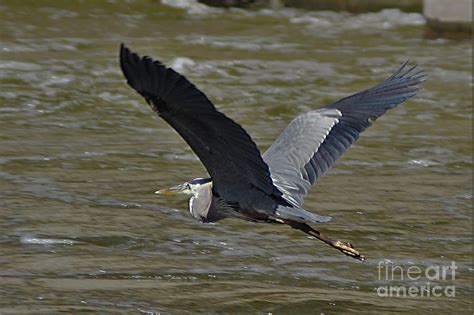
<point>81,155</point>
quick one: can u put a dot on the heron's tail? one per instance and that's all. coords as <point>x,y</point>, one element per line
<point>300,215</point>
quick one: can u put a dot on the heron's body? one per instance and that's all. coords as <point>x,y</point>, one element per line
<point>243,183</point>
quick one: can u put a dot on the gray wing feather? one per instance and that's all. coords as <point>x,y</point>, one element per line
<point>295,148</point>
<point>312,142</point>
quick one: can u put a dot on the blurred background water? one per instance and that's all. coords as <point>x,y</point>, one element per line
<point>81,155</point>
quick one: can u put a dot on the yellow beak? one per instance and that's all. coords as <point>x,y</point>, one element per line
<point>171,191</point>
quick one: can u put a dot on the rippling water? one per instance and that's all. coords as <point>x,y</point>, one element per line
<point>80,157</point>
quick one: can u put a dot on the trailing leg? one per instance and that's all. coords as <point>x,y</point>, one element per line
<point>344,247</point>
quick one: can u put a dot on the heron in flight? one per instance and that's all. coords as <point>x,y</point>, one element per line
<point>243,183</point>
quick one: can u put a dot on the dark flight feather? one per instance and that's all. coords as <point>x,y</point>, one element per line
<point>228,153</point>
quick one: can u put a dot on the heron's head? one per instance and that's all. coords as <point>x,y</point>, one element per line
<point>200,191</point>
<point>191,188</point>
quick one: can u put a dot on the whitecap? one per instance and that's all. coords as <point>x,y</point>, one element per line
<point>46,241</point>
<point>422,162</point>
<point>181,63</point>
<point>309,19</point>
<point>20,66</point>
<point>192,7</point>
<point>385,19</point>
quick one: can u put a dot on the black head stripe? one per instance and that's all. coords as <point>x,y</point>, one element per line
<point>199,181</point>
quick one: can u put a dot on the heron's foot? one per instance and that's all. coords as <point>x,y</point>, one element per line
<point>348,250</point>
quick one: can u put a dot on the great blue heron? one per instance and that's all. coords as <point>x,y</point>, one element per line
<point>244,184</point>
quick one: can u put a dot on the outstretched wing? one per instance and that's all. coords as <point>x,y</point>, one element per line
<point>312,142</point>
<point>228,153</point>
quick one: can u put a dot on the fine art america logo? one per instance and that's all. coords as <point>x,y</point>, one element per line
<point>426,281</point>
